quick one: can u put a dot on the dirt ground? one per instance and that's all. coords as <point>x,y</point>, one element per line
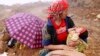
<point>82,17</point>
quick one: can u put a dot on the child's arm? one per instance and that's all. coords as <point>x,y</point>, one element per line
<point>65,53</point>
<point>55,47</point>
<point>70,29</point>
<point>58,47</point>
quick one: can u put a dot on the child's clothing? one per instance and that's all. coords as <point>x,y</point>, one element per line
<point>74,36</point>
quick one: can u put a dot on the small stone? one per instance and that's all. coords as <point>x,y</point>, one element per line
<point>93,13</point>
<point>4,54</point>
<point>3,47</point>
<point>98,16</point>
<point>96,19</point>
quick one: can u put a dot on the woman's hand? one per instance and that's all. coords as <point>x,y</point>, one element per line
<point>71,29</point>
<point>78,30</point>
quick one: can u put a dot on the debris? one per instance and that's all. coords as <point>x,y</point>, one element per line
<point>1,35</point>
<point>98,16</point>
<point>3,46</point>
<point>93,13</point>
<point>96,19</point>
<point>4,54</point>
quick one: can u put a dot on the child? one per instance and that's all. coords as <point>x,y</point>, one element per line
<point>73,36</point>
<point>55,32</point>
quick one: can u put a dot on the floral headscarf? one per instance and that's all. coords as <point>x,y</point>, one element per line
<point>57,7</point>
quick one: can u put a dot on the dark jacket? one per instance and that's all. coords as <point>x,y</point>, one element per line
<point>52,38</point>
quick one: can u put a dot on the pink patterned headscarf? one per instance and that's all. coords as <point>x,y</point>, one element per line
<point>57,7</point>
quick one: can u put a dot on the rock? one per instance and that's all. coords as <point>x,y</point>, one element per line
<point>93,13</point>
<point>1,36</point>
<point>98,16</point>
<point>96,19</point>
<point>3,47</point>
<point>11,54</point>
<point>4,54</point>
<point>4,36</point>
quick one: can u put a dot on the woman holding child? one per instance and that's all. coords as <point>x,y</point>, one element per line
<point>57,30</point>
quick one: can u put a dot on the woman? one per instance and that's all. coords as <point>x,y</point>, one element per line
<point>55,32</point>
<point>75,46</point>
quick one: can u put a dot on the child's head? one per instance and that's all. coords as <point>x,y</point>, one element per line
<point>77,30</point>
<point>58,9</point>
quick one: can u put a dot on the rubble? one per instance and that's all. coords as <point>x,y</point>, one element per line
<point>98,16</point>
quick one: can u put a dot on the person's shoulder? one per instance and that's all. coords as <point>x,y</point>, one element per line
<point>49,23</point>
<point>69,22</point>
<point>68,17</point>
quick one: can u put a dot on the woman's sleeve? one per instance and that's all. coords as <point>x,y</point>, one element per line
<point>70,22</point>
<point>46,39</point>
